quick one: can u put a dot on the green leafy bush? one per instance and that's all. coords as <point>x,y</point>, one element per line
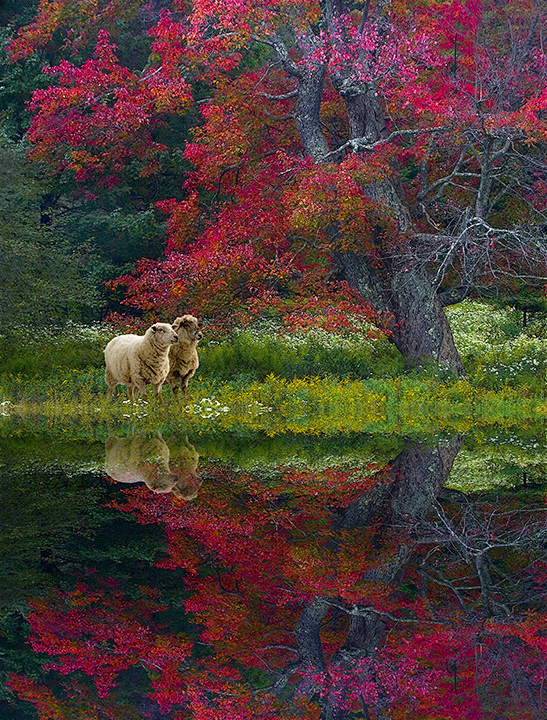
<point>258,353</point>
<point>42,351</point>
<point>495,348</point>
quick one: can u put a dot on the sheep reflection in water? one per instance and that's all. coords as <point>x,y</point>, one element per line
<point>148,459</point>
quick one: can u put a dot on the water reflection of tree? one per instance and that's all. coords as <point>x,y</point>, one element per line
<point>349,593</point>
<point>472,604</point>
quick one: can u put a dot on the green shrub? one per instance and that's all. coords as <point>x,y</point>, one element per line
<point>496,349</point>
<point>256,354</point>
<point>43,351</point>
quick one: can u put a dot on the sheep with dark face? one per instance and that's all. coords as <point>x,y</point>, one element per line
<point>183,357</point>
<point>139,360</point>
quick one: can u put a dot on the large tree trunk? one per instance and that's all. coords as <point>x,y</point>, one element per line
<point>419,328</point>
<point>422,331</point>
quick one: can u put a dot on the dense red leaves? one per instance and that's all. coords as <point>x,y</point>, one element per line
<point>214,285</point>
<point>78,21</point>
<point>255,255</point>
<point>459,82</point>
<point>477,669</point>
<point>99,115</point>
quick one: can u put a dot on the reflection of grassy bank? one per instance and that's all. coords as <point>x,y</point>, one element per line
<point>410,405</point>
<point>78,449</point>
<point>490,457</point>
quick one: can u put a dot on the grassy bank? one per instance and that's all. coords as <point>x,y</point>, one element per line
<point>493,345</point>
<point>406,405</point>
<point>316,382</point>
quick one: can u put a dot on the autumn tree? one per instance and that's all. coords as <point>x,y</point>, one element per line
<point>117,221</point>
<point>394,147</point>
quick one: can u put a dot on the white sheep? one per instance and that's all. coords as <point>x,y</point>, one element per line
<point>183,357</point>
<point>139,360</point>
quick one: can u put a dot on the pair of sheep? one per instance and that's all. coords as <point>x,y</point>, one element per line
<point>164,354</point>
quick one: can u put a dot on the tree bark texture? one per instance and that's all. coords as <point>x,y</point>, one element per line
<point>420,330</point>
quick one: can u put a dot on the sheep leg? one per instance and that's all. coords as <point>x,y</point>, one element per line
<point>184,382</point>
<point>157,389</point>
<point>139,390</point>
<point>174,388</point>
<point>111,383</point>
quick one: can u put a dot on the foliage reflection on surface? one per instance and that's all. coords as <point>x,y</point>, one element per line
<point>176,584</point>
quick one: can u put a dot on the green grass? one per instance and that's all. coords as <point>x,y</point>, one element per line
<point>495,350</point>
<point>254,354</point>
<point>409,405</point>
<point>310,381</point>
<point>44,352</point>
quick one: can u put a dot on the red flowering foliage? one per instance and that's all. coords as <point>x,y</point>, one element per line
<point>84,123</point>
<point>460,86</point>
<point>234,287</point>
<point>77,20</point>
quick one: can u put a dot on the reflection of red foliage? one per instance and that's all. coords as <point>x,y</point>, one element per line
<point>97,631</point>
<point>258,557</point>
<point>78,703</point>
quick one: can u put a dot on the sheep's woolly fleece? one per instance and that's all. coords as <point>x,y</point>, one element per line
<point>183,356</point>
<point>139,360</point>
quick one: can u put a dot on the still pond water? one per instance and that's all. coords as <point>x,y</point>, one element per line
<point>232,576</point>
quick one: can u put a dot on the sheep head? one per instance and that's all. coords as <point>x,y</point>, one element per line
<point>162,334</point>
<point>187,327</point>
